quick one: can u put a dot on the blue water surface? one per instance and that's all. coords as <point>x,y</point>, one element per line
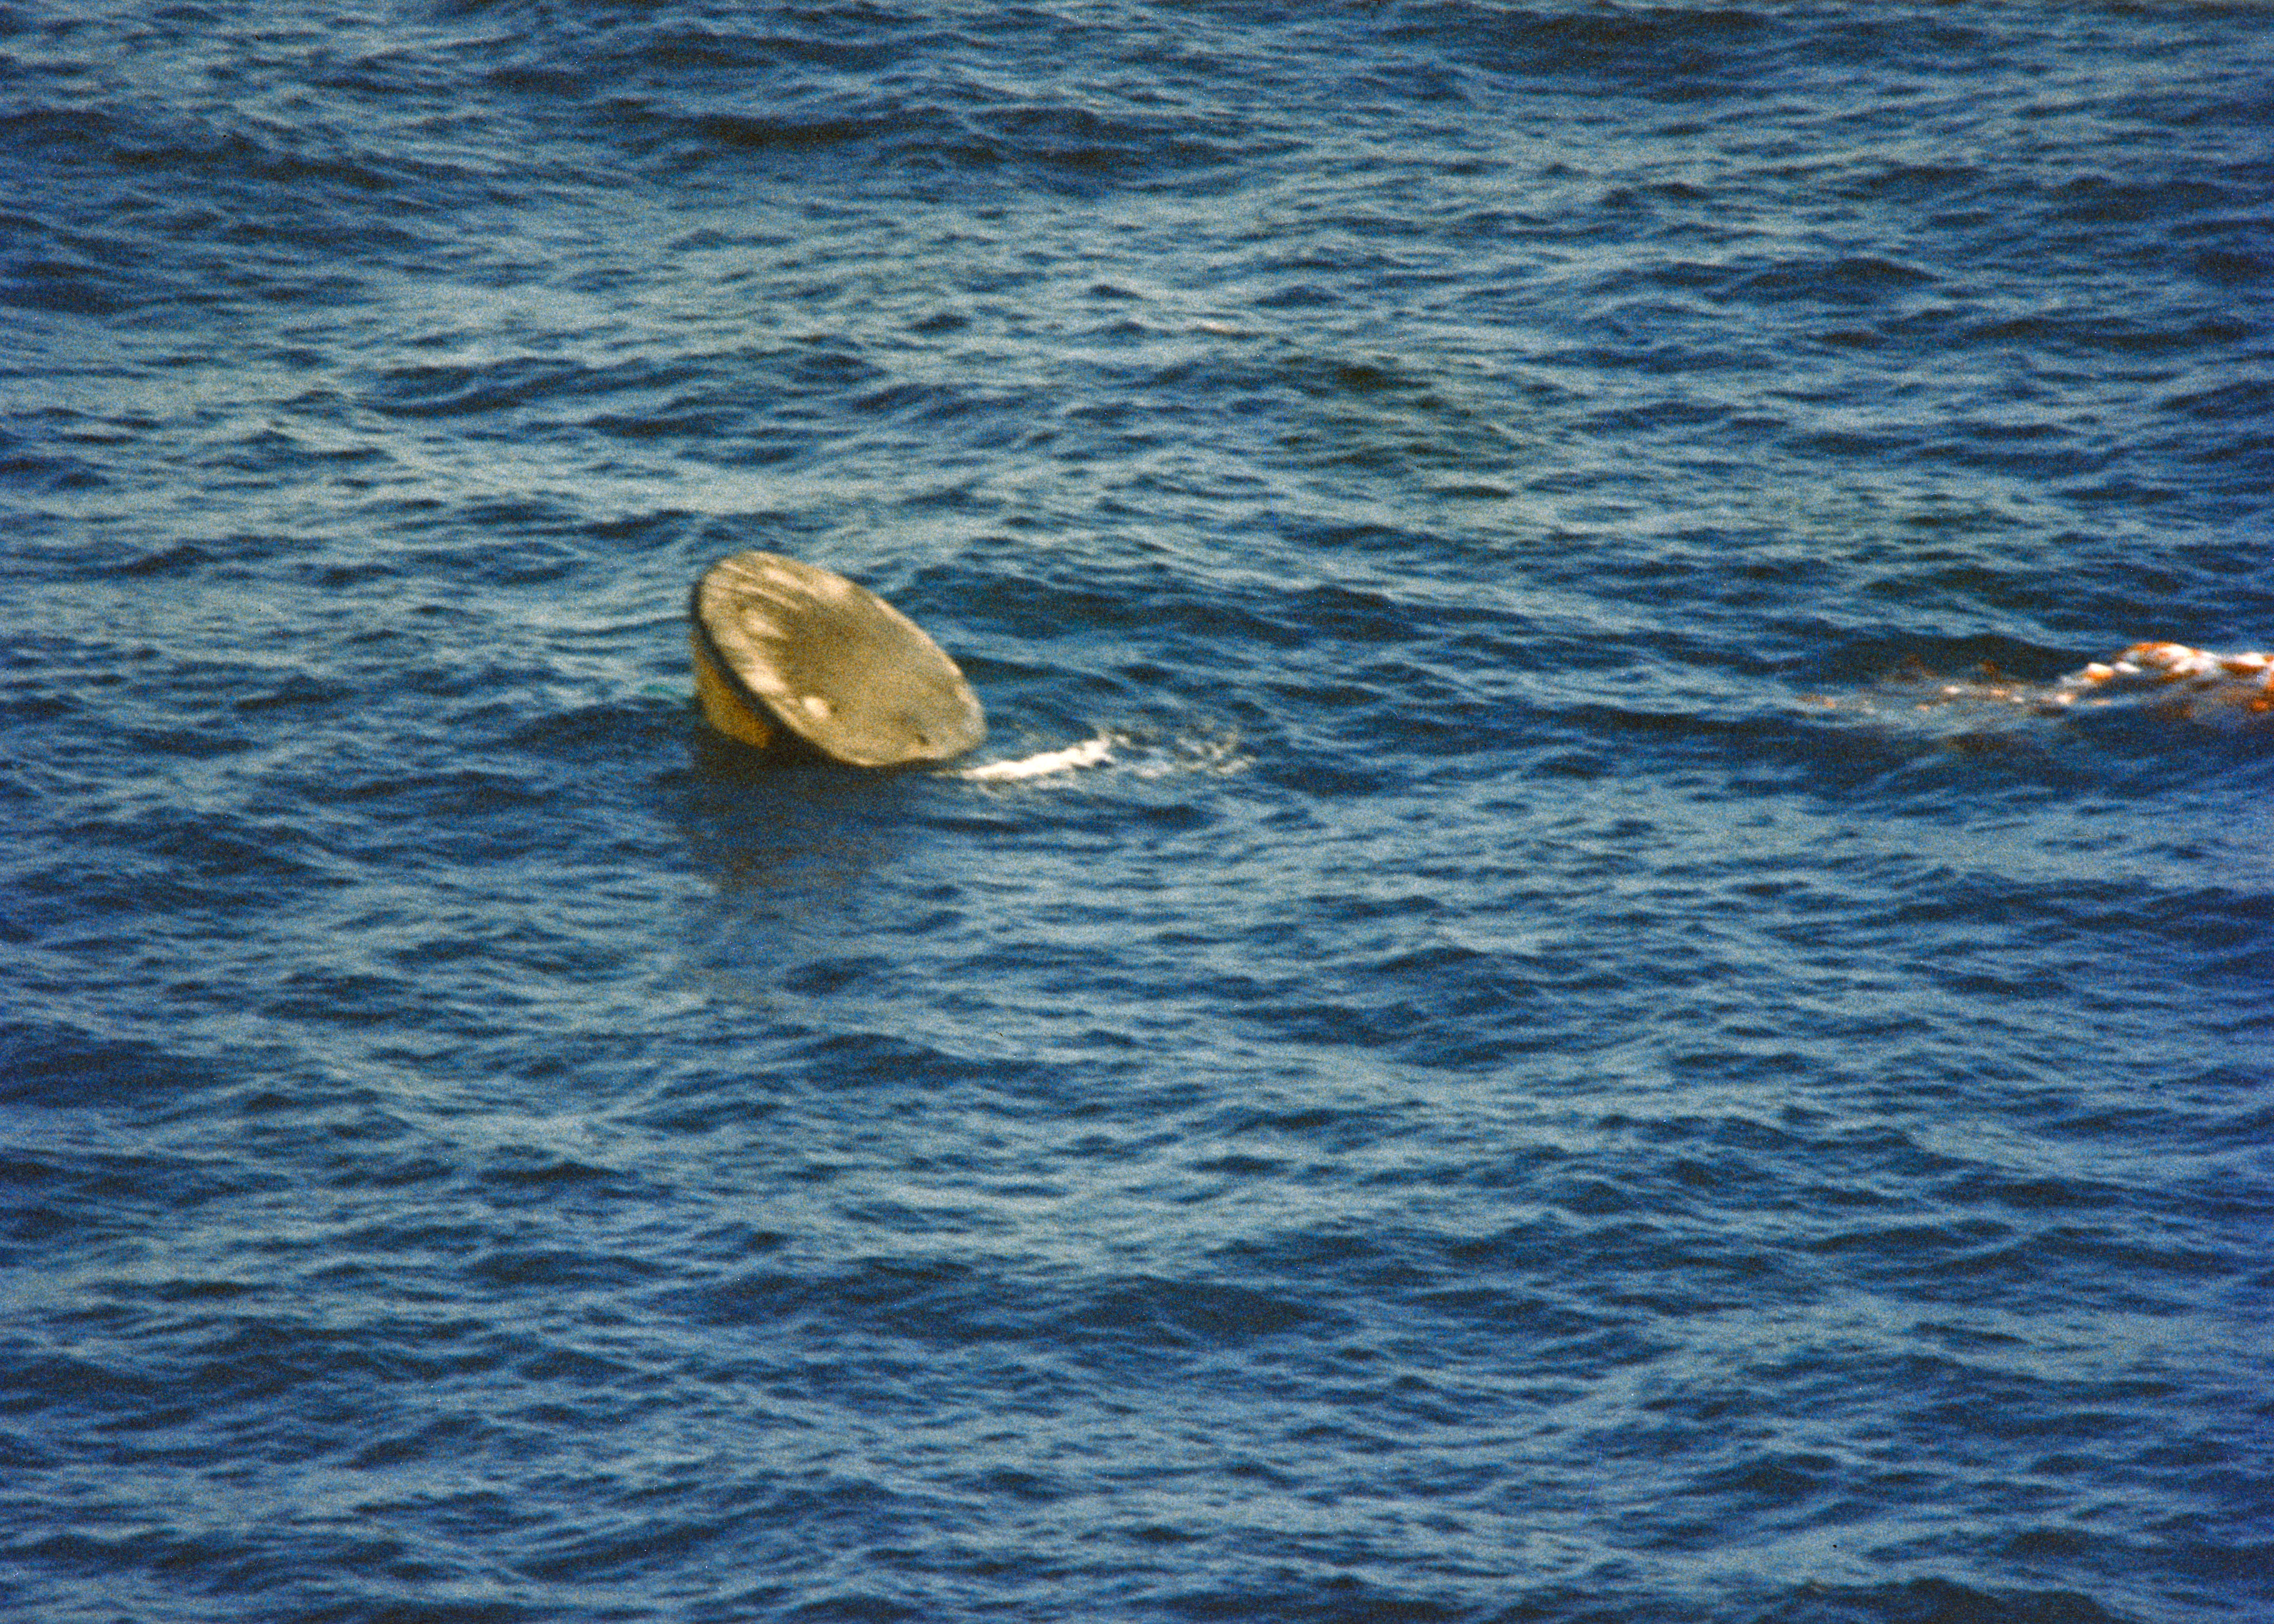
<point>1571,1057</point>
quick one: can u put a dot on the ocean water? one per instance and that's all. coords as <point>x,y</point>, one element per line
<point>1530,1016</point>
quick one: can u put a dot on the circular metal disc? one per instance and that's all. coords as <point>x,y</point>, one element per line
<point>833,663</point>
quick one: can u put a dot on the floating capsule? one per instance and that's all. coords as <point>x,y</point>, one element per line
<point>783,648</point>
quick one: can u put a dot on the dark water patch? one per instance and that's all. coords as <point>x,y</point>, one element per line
<point>2244,258</point>
<point>789,47</point>
<point>60,1068</point>
<point>2121,334</point>
<point>956,1306</point>
<point>234,863</point>
<point>342,998</point>
<point>271,451</point>
<point>443,391</point>
<point>348,197</point>
<point>961,127</point>
<point>32,472</point>
<point>1918,183</point>
<point>2251,398</point>
<point>76,1199</point>
<point>434,796</point>
<point>858,1059</point>
<point>1163,1314</point>
<point>759,133</point>
<point>67,285</point>
<point>295,691</point>
<point>1088,143</point>
<point>943,1302</point>
<point>2096,199</point>
<point>1937,1601</point>
<point>1851,278</point>
<point>1640,48</point>
<point>607,739</point>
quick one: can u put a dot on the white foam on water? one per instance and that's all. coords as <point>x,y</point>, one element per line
<point>1089,752</point>
<point>1123,753</point>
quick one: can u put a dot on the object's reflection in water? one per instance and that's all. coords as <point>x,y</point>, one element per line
<point>758,824</point>
<point>797,855</point>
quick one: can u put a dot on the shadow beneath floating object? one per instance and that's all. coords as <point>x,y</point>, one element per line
<point>786,818</point>
<point>714,755</point>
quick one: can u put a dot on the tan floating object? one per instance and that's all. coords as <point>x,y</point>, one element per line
<point>785,646</point>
